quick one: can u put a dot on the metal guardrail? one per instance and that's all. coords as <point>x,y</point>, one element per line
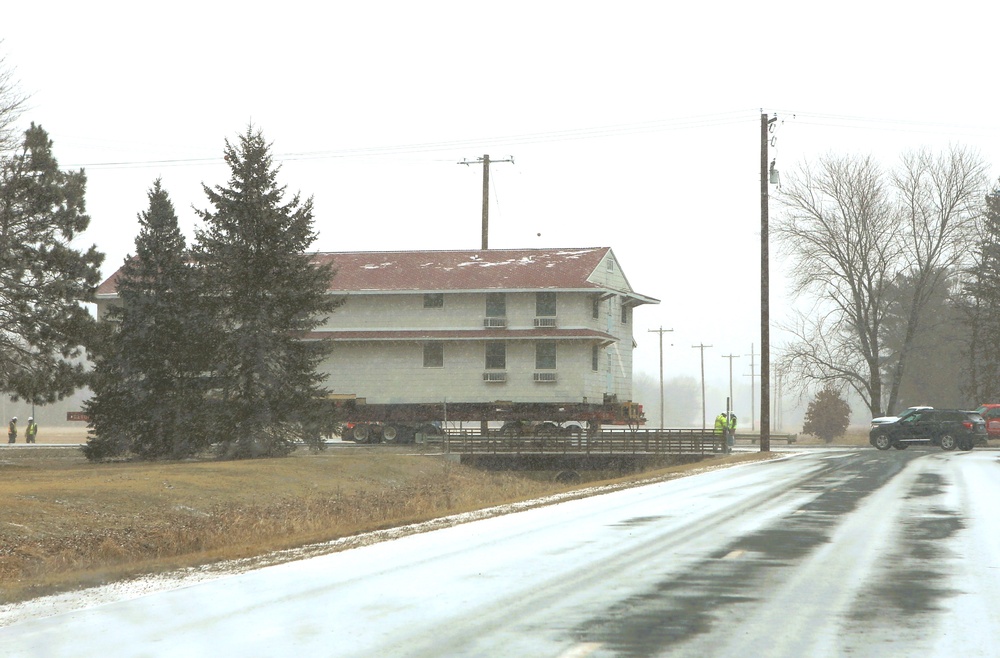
<point>606,442</point>
<point>754,437</point>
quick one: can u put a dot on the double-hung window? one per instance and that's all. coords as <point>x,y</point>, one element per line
<point>545,355</point>
<point>545,304</point>
<point>496,355</point>
<point>433,355</point>
<point>496,305</point>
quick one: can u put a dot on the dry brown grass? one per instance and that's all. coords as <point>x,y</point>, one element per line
<point>68,523</point>
<point>855,436</point>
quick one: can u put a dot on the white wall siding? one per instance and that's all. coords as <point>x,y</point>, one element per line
<point>392,371</point>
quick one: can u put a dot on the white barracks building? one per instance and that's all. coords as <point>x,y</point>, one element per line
<point>531,325</point>
<point>477,326</point>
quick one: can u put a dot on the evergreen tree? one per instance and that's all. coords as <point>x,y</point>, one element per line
<point>265,295</point>
<point>149,382</point>
<point>935,372</point>
<point>827,415</point>
<point>44,281</point>
<point>982,309</point>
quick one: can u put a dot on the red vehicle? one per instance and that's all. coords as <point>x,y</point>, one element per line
<point>991,414</point>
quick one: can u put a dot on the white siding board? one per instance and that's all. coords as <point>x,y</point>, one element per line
<point>386,372</point>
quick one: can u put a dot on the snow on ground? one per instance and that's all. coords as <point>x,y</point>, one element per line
<point>12,613</point>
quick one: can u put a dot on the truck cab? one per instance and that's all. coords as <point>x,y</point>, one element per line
<point>991,414</point>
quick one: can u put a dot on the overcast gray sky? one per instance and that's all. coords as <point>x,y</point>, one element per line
<point>633,125</point>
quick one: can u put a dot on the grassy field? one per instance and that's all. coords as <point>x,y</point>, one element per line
<point>68,523</point>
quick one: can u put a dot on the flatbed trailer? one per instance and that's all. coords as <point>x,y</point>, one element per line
<point>401,423</point>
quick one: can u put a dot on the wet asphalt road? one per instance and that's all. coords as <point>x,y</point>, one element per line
<point>863,565</point>
<point>849,552</point>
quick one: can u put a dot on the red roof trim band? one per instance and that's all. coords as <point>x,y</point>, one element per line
<point>463,334</point>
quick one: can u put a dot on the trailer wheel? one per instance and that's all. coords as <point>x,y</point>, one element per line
<point>548,428</point>
<point>389,433</point>
<point>429,430</point>
<point>362,433</point>
<point>510,429</point>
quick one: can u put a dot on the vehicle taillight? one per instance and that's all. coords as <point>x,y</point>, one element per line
<point>967,424</point>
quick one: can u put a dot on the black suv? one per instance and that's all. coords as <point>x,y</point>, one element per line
<point>948,428</point>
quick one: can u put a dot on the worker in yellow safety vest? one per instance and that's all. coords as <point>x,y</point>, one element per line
<point>721,424</point>
<point>721,427</point>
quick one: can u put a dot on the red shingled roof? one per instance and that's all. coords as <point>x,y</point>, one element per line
<point>475,269</point>
<point>493,269</point>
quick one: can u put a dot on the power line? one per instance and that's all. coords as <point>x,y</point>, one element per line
<point>883,123</point>
<point>575,134</point>
<point>596,132</point>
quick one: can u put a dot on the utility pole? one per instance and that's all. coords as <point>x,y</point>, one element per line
<point>732,400</point>
<point>702,348</point>
<point>778,421</point>
<point>765,332</point>
<point>753,392</point>
<point>661,331</point>
<point>485,161</point>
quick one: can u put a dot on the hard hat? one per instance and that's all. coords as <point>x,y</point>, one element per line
<point>30,419</point>
<point>15,418</point>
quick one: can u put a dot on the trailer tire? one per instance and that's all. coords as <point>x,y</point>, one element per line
<point>389,433</point>
<point>406,434</point>
<point>429,429</point>
<point>547,428</point>
<point>362,433</point>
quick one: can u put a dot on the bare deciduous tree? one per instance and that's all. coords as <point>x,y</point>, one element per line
<point>940,201</point>
<point>12,104</point>
<point>852,231</point>
<point>838,228</point>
